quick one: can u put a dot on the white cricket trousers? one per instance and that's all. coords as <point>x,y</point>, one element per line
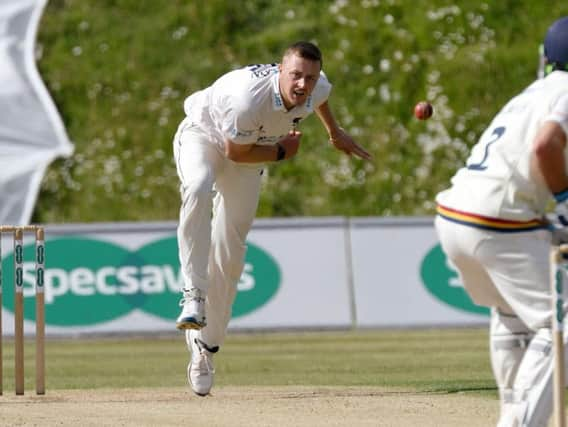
<point>511,273</point>
<point>508,271</point>
<point>219,203</point>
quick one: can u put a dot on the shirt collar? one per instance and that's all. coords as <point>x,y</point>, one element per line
<point>278,102</point>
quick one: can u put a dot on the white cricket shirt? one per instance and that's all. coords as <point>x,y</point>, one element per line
<point>246,107</point>
<point>498,181</point>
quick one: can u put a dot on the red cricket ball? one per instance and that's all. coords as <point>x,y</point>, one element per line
<point>423,110</point>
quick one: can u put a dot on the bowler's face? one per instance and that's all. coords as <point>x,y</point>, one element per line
<point>297,80</point>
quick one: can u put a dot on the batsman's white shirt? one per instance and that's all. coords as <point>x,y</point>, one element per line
<point>498,189</point>
<point>246,107</point>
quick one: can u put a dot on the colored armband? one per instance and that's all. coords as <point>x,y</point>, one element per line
<point>561,196</point>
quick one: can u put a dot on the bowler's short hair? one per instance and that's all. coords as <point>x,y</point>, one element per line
<point>305,50</point>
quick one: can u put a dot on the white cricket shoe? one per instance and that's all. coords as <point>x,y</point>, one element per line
<point>193,310</point>
<point>200,371</point>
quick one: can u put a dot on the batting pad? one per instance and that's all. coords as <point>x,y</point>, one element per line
<point>531,405</point>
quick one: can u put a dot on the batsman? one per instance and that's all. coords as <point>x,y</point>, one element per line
<point>491,224</point>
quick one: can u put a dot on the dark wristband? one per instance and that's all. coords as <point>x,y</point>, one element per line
<point>281,152</point>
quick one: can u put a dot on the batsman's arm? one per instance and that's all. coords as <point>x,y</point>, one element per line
<point>548,148</point>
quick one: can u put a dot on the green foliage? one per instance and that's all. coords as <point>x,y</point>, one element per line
<point>119,71</point>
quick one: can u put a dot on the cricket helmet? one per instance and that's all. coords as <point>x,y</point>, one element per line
<point>556,46</point>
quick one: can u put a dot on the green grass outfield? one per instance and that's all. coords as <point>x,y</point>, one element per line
<point>440,361</point>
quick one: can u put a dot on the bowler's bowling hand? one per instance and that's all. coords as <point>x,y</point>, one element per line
<point>343,142</point>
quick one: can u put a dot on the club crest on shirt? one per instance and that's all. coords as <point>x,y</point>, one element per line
<point>262,70</point>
